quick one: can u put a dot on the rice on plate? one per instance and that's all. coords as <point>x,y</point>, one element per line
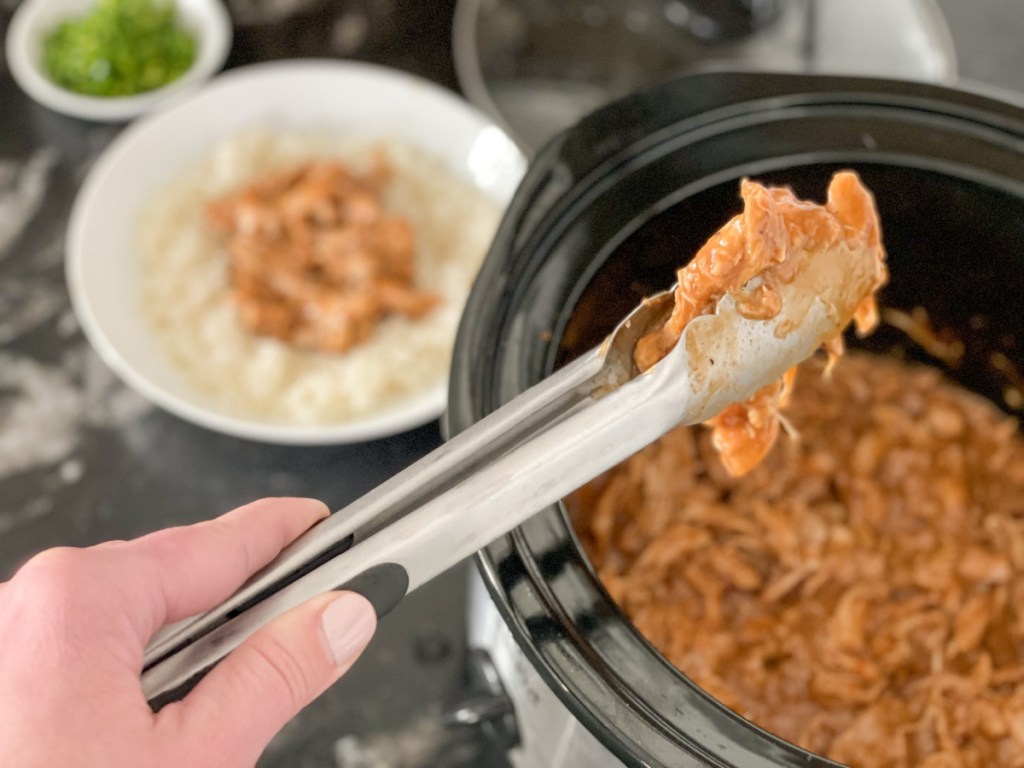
<point>186,284</point>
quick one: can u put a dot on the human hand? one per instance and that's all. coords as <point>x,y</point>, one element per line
<point>74,624</point>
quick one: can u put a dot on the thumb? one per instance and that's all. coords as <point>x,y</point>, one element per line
<point>261,685</point>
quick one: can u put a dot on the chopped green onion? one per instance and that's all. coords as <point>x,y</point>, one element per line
<point>120,48</point>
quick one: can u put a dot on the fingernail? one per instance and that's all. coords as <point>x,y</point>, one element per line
<point>348,624</point>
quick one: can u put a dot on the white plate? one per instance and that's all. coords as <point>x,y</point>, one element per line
<point>207,19</point>
<point>103,263</point>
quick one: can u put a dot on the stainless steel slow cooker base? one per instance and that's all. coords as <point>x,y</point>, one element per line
<point>546,734</point>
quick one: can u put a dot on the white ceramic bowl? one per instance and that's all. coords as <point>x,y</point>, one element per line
<point>208,20</point>
<point>103,263</point>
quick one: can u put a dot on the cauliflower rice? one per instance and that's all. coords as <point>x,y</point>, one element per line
<point>187,294</point>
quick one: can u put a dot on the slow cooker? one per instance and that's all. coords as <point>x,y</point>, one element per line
<point>605,215</point>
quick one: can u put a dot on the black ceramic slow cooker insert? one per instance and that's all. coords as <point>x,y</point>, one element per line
<point>605,215</point>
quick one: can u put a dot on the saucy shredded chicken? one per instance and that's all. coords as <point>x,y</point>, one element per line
<point>918,328</point>
<point>315,260</point>
<point>770,240</point>
<point>859,592</point>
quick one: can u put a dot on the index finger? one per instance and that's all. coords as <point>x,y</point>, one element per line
<point>179,572</point>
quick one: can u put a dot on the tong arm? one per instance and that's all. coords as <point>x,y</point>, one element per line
<point>599,370</point>
<point>513,478</point>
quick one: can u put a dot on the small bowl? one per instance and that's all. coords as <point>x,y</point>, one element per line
<point>208,20</point>
<point>104,272</point>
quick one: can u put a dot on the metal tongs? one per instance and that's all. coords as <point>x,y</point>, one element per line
<point>526,455</point>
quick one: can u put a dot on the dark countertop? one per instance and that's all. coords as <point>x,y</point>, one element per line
<point>83,459</point>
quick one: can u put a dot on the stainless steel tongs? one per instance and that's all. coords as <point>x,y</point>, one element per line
<point>548,441</point>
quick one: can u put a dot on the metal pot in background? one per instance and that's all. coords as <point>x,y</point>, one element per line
<point>537,67</point>
<point>605,215</point>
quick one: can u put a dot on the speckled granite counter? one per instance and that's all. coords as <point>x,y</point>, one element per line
<point>83,459</point>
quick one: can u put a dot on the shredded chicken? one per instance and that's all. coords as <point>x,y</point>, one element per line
<point>918,327</point>
<point>860,591</point>
<point>315,259</point>
<point>774,236</point>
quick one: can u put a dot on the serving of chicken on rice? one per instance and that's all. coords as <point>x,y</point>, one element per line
<point>306,278</point>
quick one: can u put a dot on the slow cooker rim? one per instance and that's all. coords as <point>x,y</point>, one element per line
<point>796,91</point>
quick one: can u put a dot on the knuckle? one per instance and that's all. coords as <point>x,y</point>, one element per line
<point>166,545</point>
<point>239,548</point>
<point>282,672</point>
<point>169,539</point>
<point>57,578</point>
<point>58,569</point>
